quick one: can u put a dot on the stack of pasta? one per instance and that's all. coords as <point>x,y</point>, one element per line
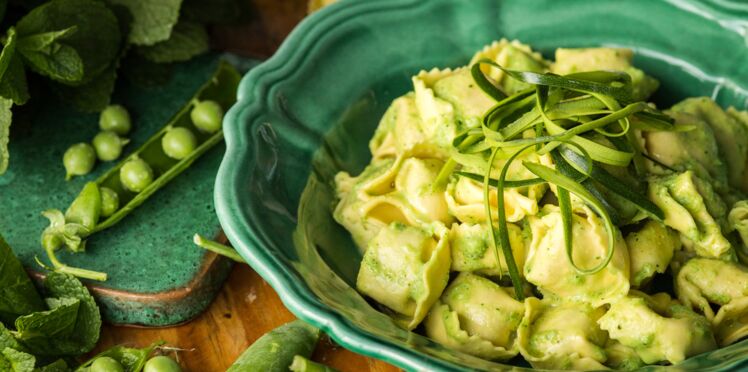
<point>518,206</point>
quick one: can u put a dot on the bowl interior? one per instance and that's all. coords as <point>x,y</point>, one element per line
<point>309,112</point>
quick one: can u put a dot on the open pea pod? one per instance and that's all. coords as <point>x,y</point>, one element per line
<point>83,218</point>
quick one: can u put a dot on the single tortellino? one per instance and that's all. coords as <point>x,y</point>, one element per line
<point>731,135</point>
<point>513,56</point>
<point>570,61</point>
<point>355,192</point>
<point>741,117</point>
<point>657,333</point>
<point>651,250</point>
<point>738,221</point>
<point>468,100</point>
<point>548,267</point>
<point>406,269</point>
<point>620,356</point>
<point>478,317</point>
<point>390,190</point>
<point>702,281</point>
<point>438,119</point>
<point>693,209</point>
<point>562,336</point>
<point>465,197</point>
<point>731,322</point>
<point>400,131</point>
<point>473,250</point>
<point>693,150</point>
<point>424,122</point>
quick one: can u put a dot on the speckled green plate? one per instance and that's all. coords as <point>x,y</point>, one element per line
<point>309,112</point>
<point>157,276</point>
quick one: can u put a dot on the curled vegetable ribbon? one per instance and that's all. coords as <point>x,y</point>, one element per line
<point>560,109</point>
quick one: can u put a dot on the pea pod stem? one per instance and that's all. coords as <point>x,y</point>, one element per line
<point>74,271</point>
<point>218,248</point>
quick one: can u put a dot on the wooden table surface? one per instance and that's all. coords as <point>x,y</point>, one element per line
<point>244,310</point>
<point>247,307</point>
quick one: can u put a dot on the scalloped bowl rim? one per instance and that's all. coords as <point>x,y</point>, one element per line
<point>236,227</point>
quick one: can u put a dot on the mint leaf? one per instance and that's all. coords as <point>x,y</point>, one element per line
<point>58,338</point>
<point>44,41</point>
<point>7,339</point>
<point>88,324</point>
<point>130,358</point>
<point>19,361</point>
<point>9,50</point>
<point>72,57</point>
<point>55,323</point>
<point>60,62</point>
<point>187,40</point>
<point>12,86</point>
<point>93,96</point>
<point>17,294</point>
<point>152,21</point>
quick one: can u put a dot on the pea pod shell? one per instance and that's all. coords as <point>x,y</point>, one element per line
<point>275,350</point>
<point>86,208</point>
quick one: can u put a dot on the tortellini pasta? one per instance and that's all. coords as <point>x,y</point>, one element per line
<point>731,135</point>
<point>476,316</point>
<point>465,197</point>
<point>548,267</point>
<point>731,322</point>
<point>570,61</point>
<point>620,356</point>
<point>692,208</point>
<point>562,336</point>
<point>473,251</point>
<point>401,131</point>
<point>659,330</point>
<point>406,269</point>
<point>651,250</point>
<point>388,191</point>
<point>419,212</point>
<point>738,221</point>
<point>424,122</point>
<point>469,101</point>
<point>511,55</point>
<point>702,281</point>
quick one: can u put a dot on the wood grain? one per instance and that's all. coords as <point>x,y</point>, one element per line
<point>245,309</point>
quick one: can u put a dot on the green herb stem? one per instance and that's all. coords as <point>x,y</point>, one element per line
<point>218,248</point>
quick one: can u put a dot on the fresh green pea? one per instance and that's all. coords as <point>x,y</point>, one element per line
<point>178,143</point>
<point>116,119</point>
<point>106,364</point>
<point>108,145</point>
<point>161,364</point>
<point>207,116</point>
<point>136,175</point>
<point>109,201</point>
<point>78,160</point>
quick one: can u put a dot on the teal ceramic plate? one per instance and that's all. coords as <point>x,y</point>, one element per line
<point>309,112</point>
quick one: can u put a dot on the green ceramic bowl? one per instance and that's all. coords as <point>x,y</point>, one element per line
<point>309,112</point>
